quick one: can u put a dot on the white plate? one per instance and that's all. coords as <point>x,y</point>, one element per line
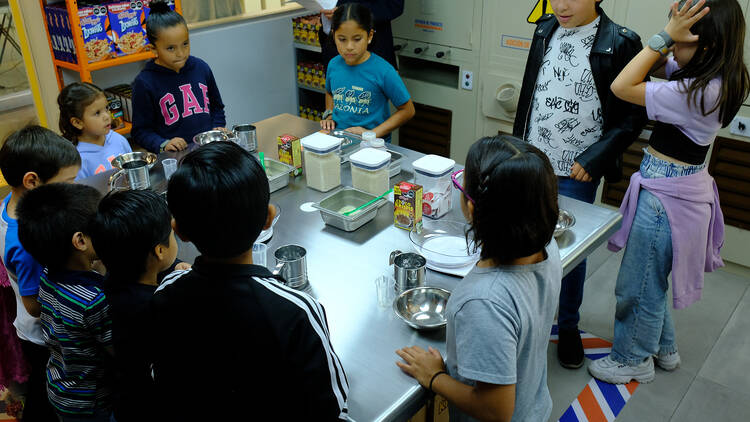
<point>460,271</point>
<point>447,252</point>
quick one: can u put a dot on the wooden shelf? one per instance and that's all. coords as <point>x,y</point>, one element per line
<point>125,129</point>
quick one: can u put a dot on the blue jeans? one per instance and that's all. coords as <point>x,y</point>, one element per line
<point>643,323</point>
<point>571,291</point>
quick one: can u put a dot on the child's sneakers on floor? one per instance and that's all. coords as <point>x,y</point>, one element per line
<point>668,362</point>
<point>608,370</point>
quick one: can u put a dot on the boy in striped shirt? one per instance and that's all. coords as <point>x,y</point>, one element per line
<point>52,225</point>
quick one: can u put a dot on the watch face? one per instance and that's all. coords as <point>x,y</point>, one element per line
<point>657,43</point>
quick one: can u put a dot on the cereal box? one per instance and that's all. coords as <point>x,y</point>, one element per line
<point>407,206</point>
<point>290,152</point>
<point>128,34</point>
<point>94,22</point>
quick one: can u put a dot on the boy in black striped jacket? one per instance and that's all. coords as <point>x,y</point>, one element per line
<point>228,334</point>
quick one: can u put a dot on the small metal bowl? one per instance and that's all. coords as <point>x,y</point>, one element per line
<point>212,136</point>
<point>134,157</point>
<point>422,308</point>
<point>565,221</point>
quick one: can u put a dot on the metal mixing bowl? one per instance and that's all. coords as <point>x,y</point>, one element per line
<point>212,136</point>
<point>422,308</point>
<point>565,221</point>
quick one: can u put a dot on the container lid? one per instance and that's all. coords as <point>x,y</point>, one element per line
<point>377,143</point>
<point>368,136</point>
<point>434,165</point>
<point>370,158</point>
<point>320,143</point>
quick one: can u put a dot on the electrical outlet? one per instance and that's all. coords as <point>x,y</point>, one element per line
<point>740,126</point>
<point>467,80</point>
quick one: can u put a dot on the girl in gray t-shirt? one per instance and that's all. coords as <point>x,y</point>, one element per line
<point>500,315</point>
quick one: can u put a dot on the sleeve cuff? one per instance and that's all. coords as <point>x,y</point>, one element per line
<point>486,378</point>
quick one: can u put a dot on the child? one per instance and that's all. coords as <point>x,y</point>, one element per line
<point>500,315</point>
<point>85,120</point>
<point>257,339</point>
<point>30,158</point>
<point>359,84</point>
<point>52,222</point>
<point>175,96</point>
<point>707,83</point>
<point>566,110</point>
<point>132,235</point>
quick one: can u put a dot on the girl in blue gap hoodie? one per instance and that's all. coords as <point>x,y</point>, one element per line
<point>175,96</point>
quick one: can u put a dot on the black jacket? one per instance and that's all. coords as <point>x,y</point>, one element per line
<point>622,122</point>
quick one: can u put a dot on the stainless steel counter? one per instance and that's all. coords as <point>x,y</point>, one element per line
<point>342,268</point>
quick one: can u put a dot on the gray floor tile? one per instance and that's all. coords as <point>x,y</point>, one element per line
<point>657,401</point>
<point>708,401</point>
<point>598,308</point>
<point>564,384</point>
<point>728,362</point>
<point>597,258</point>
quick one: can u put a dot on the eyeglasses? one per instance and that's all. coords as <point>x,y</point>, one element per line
<point>458,185</point>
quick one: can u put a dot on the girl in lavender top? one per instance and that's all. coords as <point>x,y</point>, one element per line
<point>672,221</point>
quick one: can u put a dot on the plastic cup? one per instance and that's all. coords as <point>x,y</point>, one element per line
<point>170,166</point>
<point>384,289</point>
<point>260,254</point>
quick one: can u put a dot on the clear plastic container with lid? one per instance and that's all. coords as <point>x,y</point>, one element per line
<point>322,162</point>
<point>370,170</point>
<point>433,172</point>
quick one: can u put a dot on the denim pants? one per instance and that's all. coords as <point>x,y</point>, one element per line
<point>643,322</point>
<point>571,290</point>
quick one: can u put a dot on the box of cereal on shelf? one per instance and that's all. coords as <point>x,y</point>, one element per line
<point>407,206</point>
<point>128,34</point>
<point>290,152</point>
<point>94,22</point>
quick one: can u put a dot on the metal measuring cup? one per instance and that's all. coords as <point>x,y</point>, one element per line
<point>291,264</point>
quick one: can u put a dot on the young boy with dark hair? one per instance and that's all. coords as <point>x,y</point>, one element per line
<point>133,237</point>
<point>30,158</point>
<point>566,109</point>
<point>52,224</point>
<point>230,325</point>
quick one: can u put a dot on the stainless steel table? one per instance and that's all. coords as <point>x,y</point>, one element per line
<point>342,268</point>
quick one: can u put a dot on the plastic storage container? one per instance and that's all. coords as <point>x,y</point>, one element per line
<point>433,172</point>
<point>370,168</point>
<point>322,162</point>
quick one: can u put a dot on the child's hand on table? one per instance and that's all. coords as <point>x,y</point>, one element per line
<point>175,144</point>
<point>420,364</point>
<point>328,124</point>
<point>357,130</point>
<point>182,266</point>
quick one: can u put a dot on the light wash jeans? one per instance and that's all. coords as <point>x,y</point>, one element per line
<point>643,323</point>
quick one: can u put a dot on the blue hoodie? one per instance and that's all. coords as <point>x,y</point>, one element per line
<point>169,104</point>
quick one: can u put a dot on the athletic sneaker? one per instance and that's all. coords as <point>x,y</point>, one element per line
<point>569,348</point>
<point>668,362</point>
<point>614,372</point>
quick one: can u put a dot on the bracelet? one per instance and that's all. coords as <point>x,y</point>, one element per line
<point>435,376</point>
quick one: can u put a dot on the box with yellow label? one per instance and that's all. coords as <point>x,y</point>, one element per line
<point>290,152</point>
<point>407,206</point>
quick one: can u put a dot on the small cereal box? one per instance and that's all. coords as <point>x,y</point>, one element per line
<point>94,22</point>
<point>127,34</point>
<point>290,152</point>
<point>407,206</point>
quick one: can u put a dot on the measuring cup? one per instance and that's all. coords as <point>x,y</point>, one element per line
<point>136,173</point>
<point>246,137</point>
<point>409,270</point>
<point>291,264</point>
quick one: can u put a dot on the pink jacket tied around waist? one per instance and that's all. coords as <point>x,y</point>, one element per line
<point>696,222</point>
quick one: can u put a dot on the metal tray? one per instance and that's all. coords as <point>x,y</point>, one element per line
<point>395,166</point>
<point>331,206</point>
<point>277,173</point>
<point>349,143</point>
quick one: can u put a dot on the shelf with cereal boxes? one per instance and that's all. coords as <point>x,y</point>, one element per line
<point>85,36</point>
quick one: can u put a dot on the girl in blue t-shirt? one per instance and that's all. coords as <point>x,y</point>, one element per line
<point>359,84</point>
<point>85,121</point>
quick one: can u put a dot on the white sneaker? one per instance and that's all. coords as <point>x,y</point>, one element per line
<point>613,372</point>
<point>668,362</point>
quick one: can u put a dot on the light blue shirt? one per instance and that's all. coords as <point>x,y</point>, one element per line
<point>96,159</point>
<point>361,93</point>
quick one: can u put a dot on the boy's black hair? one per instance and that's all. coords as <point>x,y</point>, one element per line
<point>73,100</point>
<point>50,215</point>
<point>219,199</point>
<point>515,192</point>
<point>161,16</point>
<point>353,11</point>
<point>126,229</point>
<point>36,149</point>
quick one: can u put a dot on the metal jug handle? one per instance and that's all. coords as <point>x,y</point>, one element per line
<point>393,256</point>
<point>278,268</point>
<point>115,178</point>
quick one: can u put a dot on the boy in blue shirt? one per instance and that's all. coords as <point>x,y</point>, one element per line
<point>31,157</point>
<point>52,224</point>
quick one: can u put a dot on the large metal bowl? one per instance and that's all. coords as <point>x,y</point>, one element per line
<point>422,308</point>
<point>213,136</point>
<point>565,221</point>
<point>134,157</point>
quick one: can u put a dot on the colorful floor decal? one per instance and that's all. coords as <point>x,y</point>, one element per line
<point>599,401</point>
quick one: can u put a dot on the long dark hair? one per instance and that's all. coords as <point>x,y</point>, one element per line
<point>356,12</point>
<point>719,55</point>
<point>515,192</point>
<point>161,16</point>
<point>73,100</point>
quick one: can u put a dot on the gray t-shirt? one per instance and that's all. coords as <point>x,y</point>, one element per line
<point>499,323</point>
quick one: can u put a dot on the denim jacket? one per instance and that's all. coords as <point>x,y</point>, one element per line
<point>622,122</point>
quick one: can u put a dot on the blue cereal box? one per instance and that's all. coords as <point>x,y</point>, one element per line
<point>126,20</point>
<point>94,21</point>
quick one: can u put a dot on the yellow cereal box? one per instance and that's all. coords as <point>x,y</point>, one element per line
<point>290,152</point>
<point>407,206</point>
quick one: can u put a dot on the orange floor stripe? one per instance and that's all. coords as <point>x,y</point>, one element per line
<point>590,406</point>
<point>631,386</point>
<point>591,343</point>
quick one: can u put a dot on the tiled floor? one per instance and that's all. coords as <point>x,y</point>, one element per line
<point>713,382</point>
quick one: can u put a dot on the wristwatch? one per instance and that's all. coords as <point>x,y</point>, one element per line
<point>327,114</point>
<point>660,43</point>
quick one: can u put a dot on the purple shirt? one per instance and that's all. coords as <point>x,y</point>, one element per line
<point>697,224</point>
<point>96,159</point>
<point>666,102</point>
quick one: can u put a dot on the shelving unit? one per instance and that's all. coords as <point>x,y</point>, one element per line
<point>308,47</point>
<point>83,67</point>
<point>310,98</point>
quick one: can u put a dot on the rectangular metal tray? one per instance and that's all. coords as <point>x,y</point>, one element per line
<point>329,208</point>
<point>277,173</point>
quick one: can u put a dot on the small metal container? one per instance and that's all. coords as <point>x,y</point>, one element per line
<point>422,308</point>
<point>409,270</point>
<point>277,173</point>
<point>213,136</point>
<point>346,199</point>
<point>565,221</point>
